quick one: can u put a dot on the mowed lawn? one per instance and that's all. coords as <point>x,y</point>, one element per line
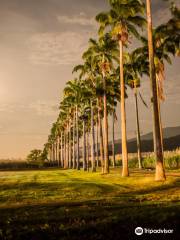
<point>70,204</point>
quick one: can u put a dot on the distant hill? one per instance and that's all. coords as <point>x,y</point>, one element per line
<point>171,141</point>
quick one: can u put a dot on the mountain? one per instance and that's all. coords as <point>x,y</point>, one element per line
<point>171,141</point>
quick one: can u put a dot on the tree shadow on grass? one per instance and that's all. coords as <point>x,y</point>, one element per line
<point>36,191</point>
<point>174,184</point>
<point>84,220</point>
<point>75,189</point>
<point>142,194</point>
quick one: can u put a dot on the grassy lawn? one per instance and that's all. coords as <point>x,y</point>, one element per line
<point>67,204</point>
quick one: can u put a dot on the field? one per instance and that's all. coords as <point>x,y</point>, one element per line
<point>67,204</point>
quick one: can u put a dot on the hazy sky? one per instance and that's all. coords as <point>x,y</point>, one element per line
<point>40,42</point>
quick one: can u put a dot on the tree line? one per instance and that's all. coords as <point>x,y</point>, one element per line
<point>108,69</point>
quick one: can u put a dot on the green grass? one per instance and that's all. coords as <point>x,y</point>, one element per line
<point>68,204</point>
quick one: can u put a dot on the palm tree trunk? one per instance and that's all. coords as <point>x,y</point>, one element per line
<point>74,155</point>
<point>55,152</point>
<point>70,147</point>
<point>53,157</point>
<point>58,160</point>
<point>62,165</point>
<point>101,138</point>
<point>93,167</point>
<point>55,148</point>
<point>161,127</point>
<point>50,157</point>
<point>138,136</point>
<point>67,145</point>
<point>106,152</point>
<point>57,155</point>
<point>77,140</point>
<point>65,150</point>
<point>113,141</point>
<point>158,149</point>
<point>60,150</point>
<point>87,150</point>
<point>84,147</point>
<point>97,143</point>
<point>160,120</point>
<point>125,170</point>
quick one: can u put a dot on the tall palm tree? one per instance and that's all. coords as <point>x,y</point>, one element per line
<point>166,39</point>
<point>68,106</point>
<point>74,156</point>
<point>123,17</point>
<point>88,71</point>
<point>162,41</point>
<point>85,113</point>
<point>135,66</point>
<point>113,98</point>
<point>160,173</point>
<point>84,155</point>
<point>99,106</point>
<point>54,143</point>
<point>50,149</point>
<point>104,52</point>
<point>135,84</point>
<point>74,89</point>
<point>97,142</point>
<point>61,142</point>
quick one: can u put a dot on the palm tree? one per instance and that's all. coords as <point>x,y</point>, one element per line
<point>134,67</point>
<point>166,40</point>
<point>135,84</point>
<point>67,105</point>
<point>123,18</point>
<point>53,139</point>
<point>84,119</point>
<point>74,156</point>
<point>61,142</point>
<point>46,151</point>
<point>97,142</point>
<point>50,150</point>
<point>85,113</point>
<point>113,98</point>
<point>160,173</point>
<point>99,106</point>
<point>87,70</point>
<point>74,91</point>
<point>104,52</point>
<point>88,100</point>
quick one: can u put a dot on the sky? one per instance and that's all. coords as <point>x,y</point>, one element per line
<point>40,42</point>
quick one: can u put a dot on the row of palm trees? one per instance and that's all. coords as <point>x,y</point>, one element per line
<point>101,81</point>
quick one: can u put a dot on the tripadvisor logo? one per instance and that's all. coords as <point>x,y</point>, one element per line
<point>139,231</point>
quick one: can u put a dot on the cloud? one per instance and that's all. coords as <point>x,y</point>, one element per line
<point>44,108</point>
<point>7,108</point>
<point>57,48</point>
<point>80,19</point>
<point>12,107</point>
